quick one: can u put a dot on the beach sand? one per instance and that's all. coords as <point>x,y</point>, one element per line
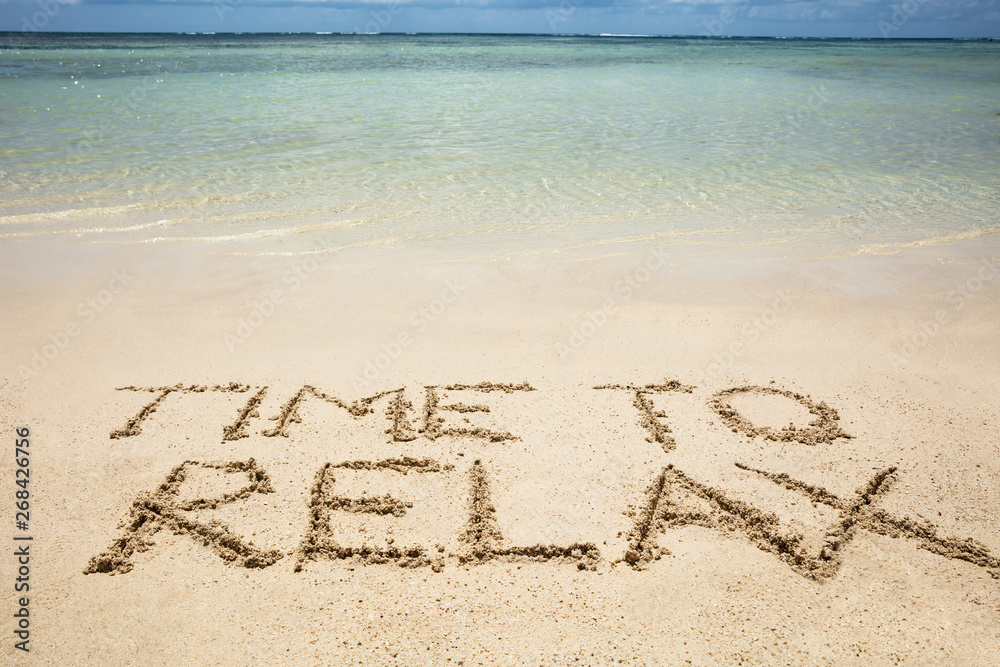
<point>536,460</point>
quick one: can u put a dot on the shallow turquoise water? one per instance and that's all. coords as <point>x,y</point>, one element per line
<point>266,143</point>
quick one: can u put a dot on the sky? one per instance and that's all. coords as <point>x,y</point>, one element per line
<point>784,18</point>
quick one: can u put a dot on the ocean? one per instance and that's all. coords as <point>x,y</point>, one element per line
<point>493,145</point>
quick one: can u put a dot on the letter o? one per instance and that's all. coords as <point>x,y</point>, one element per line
<point>255,319</point>
<point>46,348</point>
<point>824,428</point>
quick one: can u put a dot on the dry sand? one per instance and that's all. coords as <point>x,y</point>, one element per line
<point>363,457</point>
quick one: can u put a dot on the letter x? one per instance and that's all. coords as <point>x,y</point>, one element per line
<point>674,500</point>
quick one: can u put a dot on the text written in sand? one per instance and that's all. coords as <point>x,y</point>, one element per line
<point>339,496</point>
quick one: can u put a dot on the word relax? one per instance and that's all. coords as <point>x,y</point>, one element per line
<point>672,498</point>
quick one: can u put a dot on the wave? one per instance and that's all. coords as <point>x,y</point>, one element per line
<point>80,231</point>
<point>894,247</point>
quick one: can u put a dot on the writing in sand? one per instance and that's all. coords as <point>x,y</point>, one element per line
<point>672,498</point>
